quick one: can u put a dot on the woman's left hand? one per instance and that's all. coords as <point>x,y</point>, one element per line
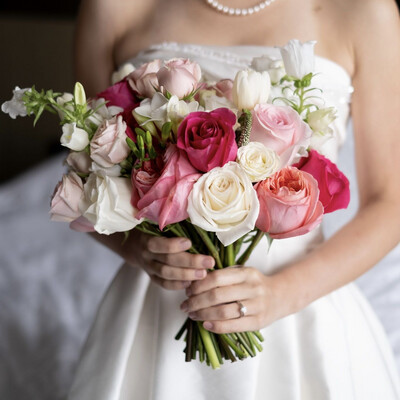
<point>214,300</point>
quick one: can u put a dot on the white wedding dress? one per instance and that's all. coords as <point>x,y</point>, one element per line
<point>335,349</point>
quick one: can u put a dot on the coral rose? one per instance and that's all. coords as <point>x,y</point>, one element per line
<point>289,204</point>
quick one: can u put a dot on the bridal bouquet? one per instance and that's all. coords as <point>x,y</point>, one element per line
<point>222,163</point>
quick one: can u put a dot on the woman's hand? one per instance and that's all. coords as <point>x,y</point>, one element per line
<point>214,300</point>
<point>167,262</point>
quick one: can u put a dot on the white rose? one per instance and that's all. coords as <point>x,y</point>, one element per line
<point>320,120</point>
<point>224,201</point>
<point>103,113</point>
<point>250,88</point>
<point>73,137</point>
<point>123,71</point>
<point>115,170</point>
<point>211,101</point>
<point>258,161</point>
<point>298,58</point>
<point>15,107</point>
<point>272,65</point>
<point>79,161</point>
<point>107,204</point>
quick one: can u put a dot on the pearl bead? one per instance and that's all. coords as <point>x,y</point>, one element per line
<point>239,11</point>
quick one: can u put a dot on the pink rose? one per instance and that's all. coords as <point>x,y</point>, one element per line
<point>179,77</point>
<point>79,161</point>
<point>334,190</point>
<point>120,95</point>
<point>289,204</point>
<point>280,128</point>
<point>67,195</point>
<point>143,178</point>
<point>81,224</point>
<point>224,88</point>
<point>208,138</point>
<point>108,146</point>
<point>143,80</point>
<point>166,201</point>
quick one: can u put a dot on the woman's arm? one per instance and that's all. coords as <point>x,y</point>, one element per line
<point>373,232</point>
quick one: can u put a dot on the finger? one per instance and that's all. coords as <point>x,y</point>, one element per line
<point>225,311</point>
<point>184,259</point>
<point>167,245</point>
<point>217,296</point>
<point>175,273</point>
<point>170,285</point>
<point>218,278</point>
<point>243,324</point>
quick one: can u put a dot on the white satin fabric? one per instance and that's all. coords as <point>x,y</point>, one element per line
<point>335,349</point>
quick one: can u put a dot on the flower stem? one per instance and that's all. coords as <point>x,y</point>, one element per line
<point>245,256</point>
<point>229,255</point>
<point>210,246</point>
<point>209,347</point>
<point>177,230</point>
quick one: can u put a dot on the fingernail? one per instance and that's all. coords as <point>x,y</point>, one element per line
<point>192,315</point>
<point>184,306</point>
<point>200,273</point>
<point>207,325</point>
<point>188,292</point>
<point>208,262</point>
<point>186,284</point>
<point>185,243</point>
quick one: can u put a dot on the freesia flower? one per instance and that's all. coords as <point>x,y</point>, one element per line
<point>73,137</point>
<point>15,107</point>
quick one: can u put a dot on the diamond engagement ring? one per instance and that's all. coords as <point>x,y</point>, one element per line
<point>242,309</point>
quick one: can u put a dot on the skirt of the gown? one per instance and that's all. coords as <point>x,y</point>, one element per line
<point>335,349</point>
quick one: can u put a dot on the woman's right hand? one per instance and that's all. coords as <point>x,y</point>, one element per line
<point>166,260</point>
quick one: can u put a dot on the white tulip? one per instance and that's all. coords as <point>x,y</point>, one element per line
<point>15,107</point>
<point>250,88</point>
<point>224,201</point>
<point>73,137</point>
<point>107,204</point>
<point>298,58</point>
<point>258,161</point>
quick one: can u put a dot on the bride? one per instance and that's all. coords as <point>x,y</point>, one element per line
<point>322,341</point>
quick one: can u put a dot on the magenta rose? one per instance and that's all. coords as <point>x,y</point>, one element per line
<point>164,199</point>
<point>179,77</point>
<point>280,128</point>
<point>334,187</point>
<point>143,80</point>
<point>120,95</point>
<point>208,138</point>
<point>289,204</point>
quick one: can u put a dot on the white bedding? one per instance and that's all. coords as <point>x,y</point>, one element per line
<point>52,279</point>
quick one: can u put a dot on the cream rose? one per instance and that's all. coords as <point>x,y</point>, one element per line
<point>259,162</point>
<point>250,88</point>
<point>73,137</point>
<point>108,146</point>
<point>224,201</point>
<point>107,204</point>
<point>123,71</point>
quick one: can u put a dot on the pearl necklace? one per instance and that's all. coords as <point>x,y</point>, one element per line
<point>238,11</point>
